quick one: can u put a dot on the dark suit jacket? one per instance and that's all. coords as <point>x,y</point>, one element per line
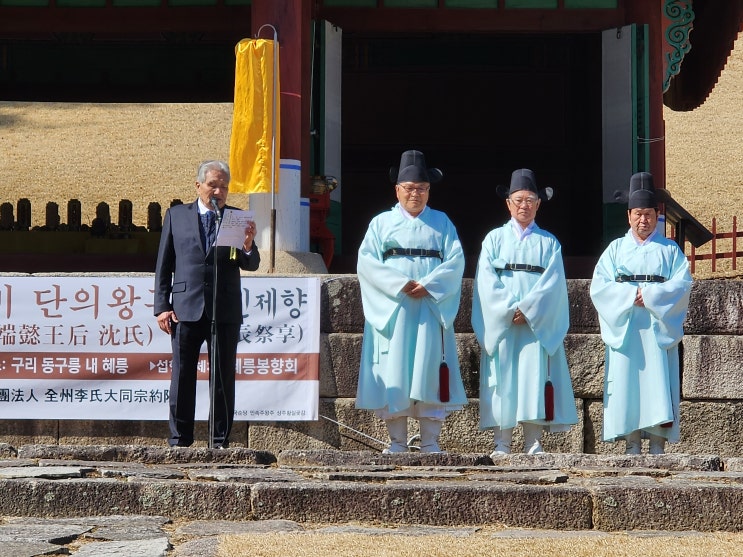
<point>184,273</point>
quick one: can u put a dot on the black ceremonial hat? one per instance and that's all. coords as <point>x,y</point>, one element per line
<point>642,192</point>
<point>413,169</point>
<point>524,179</point>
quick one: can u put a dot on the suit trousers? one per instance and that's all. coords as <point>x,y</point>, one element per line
<point>187,339</point>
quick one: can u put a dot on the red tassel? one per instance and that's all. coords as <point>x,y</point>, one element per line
<point>444,382</point>
<point>549,401</point>
<point>667,424</point>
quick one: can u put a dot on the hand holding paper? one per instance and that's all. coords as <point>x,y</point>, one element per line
<point>237,226</point>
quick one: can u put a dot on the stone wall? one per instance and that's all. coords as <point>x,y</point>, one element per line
<point>712,378</point>
<point>711,386</point>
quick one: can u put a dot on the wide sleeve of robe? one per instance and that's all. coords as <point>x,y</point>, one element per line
<point>382,282</point>
<point>381,285</point>
<point>543,302</point>
<point>402,347</point>
<point>667,302</point>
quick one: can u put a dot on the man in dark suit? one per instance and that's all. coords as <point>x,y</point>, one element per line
<point>183,302</point>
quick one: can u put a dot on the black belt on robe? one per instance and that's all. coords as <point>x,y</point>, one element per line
<point>640,278</point>
<point>415,252</point>
<point>523,267</point>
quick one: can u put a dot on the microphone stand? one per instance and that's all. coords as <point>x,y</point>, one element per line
<point>213,341</point>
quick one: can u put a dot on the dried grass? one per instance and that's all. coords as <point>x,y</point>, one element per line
<point>108,152</point>
<point>704,159</point>
<point>480,544</point>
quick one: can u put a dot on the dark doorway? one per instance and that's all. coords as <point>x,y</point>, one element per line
<point>479,107</point>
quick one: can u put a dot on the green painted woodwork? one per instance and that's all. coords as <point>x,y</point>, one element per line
<point>548,4</point>
<point>615,214</point>
<point>335,225</point>
<point>493,4</point>
<point>641,95</point>
<point>626,121</point>
<point>350,3</point>
<point>81,3</point>
<point>475,4</point>
<point>615,221</point>
<point>591,4</point>
<point>136,3</point>
<point>25,3</point>
<point>681,16</point>
<point>125,3</point>
<point>411,3</point>
<point>671,33</point>
<point>192,2</point>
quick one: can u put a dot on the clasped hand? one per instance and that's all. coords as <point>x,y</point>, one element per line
<point>518,318</point>
<point>414,289</point>
<point>638,298</point>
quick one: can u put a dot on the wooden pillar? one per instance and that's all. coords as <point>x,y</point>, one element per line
<point>292,20</point>
<point>651,13</point>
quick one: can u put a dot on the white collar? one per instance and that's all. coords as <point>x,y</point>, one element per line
<point>203,209</point>
<point>641,242</point>
<point>522,232</point>
<point>408,215</point>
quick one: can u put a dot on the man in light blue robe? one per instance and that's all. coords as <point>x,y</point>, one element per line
<point>520,315</point>
<point>410,269</point>
<point>641,288</point>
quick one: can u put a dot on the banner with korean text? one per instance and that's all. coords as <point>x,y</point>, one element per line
<point>89,348</point>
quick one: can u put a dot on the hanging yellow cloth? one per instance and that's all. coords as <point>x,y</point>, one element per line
<point>252,117</point>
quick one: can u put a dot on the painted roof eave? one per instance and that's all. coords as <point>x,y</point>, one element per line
<point>699,37</point>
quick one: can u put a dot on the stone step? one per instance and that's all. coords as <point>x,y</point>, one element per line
<point>552,491</point>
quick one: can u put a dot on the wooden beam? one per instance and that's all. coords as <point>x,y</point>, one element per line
<point>399,20</point>
<point>18,22</point>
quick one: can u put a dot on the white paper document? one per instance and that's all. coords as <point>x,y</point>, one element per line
<point>232,231</point>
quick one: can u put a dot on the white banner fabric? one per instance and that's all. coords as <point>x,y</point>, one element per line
<point>88,348</point>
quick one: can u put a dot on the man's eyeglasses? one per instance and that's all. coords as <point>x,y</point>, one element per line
<point>519,201</point>
<point>417,189</point>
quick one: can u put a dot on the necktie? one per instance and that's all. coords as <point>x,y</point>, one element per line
<point>209,223</point>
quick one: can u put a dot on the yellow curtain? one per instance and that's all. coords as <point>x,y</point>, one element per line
<point>252,125</point>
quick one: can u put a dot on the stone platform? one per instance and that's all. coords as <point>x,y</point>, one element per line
<point>551,491</point>
<point>709,413</point>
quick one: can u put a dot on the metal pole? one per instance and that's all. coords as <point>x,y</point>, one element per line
<point>356,431</point>
<point>214,358</point>
<point>272,249</point>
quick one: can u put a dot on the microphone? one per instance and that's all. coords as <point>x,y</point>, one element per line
<point>215,206</point>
